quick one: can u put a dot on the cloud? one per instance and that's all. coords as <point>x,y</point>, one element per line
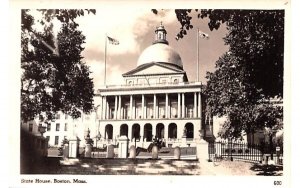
<point>128,26</point>
<point>125,25</point>
<point>113,73</point>
<point>97,69</point>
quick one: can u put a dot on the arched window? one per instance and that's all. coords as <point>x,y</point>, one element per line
<point>172,131</point>
<point>189,130</point>
<point>148,132</point>
<point>124,130</point>
<point>160,130</point>
<point>160,36</point>
<point>108,132</point>
<point>136,131</point>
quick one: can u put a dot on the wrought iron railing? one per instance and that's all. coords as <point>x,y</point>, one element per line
<point>244,151</point>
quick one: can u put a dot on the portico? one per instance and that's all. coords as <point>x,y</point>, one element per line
<point>156,100</point>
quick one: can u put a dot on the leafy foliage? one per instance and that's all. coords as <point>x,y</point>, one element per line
<point>256,37</point>
<point>54,77</point>
<point>250,73</point>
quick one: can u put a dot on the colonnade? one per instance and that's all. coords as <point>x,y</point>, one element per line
<point>154,106</point>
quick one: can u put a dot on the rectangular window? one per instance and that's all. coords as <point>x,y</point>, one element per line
<point>48,138</point>
<point>49,127</point>
<point>30,127</point>
<point>57,126</point>
<point>66,127</point>
<point>57,116</point>
<point>56,140</point>
<point>66,116</point>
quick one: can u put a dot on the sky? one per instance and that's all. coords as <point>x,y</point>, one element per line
<point>134,29</point>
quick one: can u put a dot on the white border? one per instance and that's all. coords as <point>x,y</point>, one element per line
<point>12,89</point>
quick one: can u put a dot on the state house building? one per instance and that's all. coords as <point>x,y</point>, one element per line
<point>156,100</point>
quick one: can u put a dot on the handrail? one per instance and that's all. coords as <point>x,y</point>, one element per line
<point>151,84</point>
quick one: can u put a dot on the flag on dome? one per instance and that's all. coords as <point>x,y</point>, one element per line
<point>113,41</point>
<point>203,35</point>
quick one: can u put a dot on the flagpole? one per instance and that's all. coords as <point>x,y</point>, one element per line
<point>105,59</point>
<point>197,54</point>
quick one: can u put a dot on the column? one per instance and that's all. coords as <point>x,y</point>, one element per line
<point>195,105</point>
<point>142,132</point>
<point>167,106</point>
<point>129,132</point>
<point>104,107</point>
<point>120,108</point>
<point>199,106</point>
<point>154,106</point>
<point>143,106</point>
<point>107,108</point>
<point>131,108</point>
<point>157,107</point>
<point>116,107</point>
<point>179,107</point>
<point>153,130</point>
<point>183,105</point>
<point>166,135</point>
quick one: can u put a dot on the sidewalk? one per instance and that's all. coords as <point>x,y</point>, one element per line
<point>103,166</point>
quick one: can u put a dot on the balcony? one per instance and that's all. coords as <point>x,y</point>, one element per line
<point>151,85</point>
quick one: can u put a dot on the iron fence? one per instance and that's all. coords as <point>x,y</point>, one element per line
<point>245,151</point>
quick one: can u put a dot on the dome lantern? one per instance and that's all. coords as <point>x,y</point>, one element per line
<point>160,35</point>
<point>160,51</point>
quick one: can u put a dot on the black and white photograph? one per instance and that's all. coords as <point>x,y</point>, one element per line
<point>150,91</point>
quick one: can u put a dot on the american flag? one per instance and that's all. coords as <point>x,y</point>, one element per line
<point>203,35</point>
<point>113,41</point>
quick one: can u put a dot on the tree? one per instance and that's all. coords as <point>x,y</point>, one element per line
<point>54,78</point>
<point>229,93</point>
<point>256,37</point>
<point>250,73</point>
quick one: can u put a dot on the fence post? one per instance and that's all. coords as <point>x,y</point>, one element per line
<point>230,150</point>
<point>202,150</point>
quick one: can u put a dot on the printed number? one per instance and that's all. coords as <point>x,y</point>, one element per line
<point>277,182</point>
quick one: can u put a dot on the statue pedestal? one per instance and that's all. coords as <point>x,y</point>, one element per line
<point>123,147</point>
<point>88,151</point>
<point>73,148</point>
<point>202,150</point>
<point>132,152</point>
<point>66,150</point>
<point>183,142</point>
<point>110,151</point>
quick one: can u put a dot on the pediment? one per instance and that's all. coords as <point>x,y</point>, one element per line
<point>154,68</point>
